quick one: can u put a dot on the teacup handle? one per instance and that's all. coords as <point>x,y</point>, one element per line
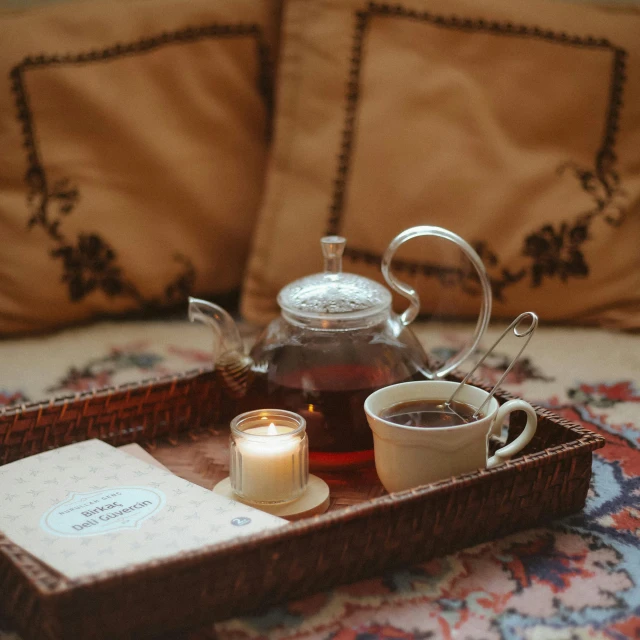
<point>411,294</point>
<point>505,453</point>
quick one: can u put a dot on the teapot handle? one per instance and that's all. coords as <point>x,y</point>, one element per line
<point>406,290</point>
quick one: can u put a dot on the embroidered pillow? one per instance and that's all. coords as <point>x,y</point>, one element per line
<point>133,139</point>
<point>514,124</point>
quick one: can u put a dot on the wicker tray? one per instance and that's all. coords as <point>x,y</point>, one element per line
<point>364,533</point>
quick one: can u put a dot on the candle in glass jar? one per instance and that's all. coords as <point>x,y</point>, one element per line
<point>269,464</point>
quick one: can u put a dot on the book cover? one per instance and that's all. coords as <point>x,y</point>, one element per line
<point>87,508</point>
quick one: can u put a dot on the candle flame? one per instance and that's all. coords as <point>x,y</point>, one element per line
<point>271,430</point>
<point>310,408</point>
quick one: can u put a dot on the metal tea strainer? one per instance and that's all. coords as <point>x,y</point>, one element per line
<point>519,332</point>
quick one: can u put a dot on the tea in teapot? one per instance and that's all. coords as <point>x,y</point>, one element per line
<point>327,381</point>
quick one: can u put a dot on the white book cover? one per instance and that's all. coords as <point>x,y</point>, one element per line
<point>87,508</point>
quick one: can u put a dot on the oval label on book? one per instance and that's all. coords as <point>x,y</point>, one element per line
<point>102,511</point>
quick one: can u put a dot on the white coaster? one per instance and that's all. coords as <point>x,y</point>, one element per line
<point>313,501</point>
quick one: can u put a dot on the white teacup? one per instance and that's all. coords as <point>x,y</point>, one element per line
<point>407,457</point>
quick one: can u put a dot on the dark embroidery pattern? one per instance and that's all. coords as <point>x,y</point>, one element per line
<point>557,253</point>
<point>90,263</point>
<point>550,252</point>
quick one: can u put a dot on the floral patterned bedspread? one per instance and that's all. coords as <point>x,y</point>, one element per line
<point>576,579</point>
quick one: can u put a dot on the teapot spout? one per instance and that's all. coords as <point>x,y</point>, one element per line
<point>230,361</point>
<point>227,336</point>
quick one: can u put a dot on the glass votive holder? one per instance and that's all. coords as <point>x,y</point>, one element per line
<point>269,456</point>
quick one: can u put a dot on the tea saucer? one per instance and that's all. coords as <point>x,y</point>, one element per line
<point>313,501</point>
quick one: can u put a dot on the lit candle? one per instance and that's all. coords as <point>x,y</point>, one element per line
<point>269,462</point>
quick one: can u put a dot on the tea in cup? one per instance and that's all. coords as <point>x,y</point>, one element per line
<point>418,438</point>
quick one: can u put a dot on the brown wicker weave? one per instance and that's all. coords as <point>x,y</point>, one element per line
<point>130,413</point>
<point>360,536</point>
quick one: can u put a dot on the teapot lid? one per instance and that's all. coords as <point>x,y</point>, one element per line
<point>333,295</point>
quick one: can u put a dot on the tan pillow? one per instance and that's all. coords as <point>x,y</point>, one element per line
<point>133,139</point>
<point>515,124</point>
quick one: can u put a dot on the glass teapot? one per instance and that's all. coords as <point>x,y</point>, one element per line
<point>336,341</point>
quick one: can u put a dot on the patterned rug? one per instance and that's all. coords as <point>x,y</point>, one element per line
<point>576,579</point>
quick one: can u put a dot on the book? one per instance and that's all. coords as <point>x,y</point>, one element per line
<point>87,508</point>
